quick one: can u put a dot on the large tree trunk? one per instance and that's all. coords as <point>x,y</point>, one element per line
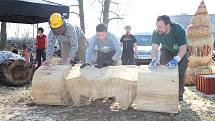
<point>3,36</point>
<point>106,11</point>
<point>153,90</point>
<point>15,73</point>
<point>91,83</point>
<point>81,14</point>
<point>61,85</point>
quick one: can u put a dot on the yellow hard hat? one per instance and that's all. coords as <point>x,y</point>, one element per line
<point>55,20</point>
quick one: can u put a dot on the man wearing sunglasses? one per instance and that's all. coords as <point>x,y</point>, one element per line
<point>71,39</point>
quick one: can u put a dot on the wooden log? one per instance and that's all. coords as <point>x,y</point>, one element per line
<point>157,90</point>
<point>92,83</point>
<point>48,85</point>
<point>15,72</point>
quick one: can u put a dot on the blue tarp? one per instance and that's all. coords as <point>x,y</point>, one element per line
<point>7,55</point>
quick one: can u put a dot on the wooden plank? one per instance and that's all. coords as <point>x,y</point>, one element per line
<point>157,90</point>
<point>48,85</point>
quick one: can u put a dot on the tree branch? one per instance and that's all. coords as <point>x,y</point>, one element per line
<point>115,18</point>
<point>74,5</point>
<point>101,1</point>
<point>75,13</point>
<point>115,3</point>
<point>93,2</point>
<point>114,13</point>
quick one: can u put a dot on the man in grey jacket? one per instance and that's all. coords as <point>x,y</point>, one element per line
<point>109,50</point>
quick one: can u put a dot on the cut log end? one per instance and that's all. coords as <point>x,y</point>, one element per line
<point>16,73</point>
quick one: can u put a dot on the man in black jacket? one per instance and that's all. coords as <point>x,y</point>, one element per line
<point>129,44</point>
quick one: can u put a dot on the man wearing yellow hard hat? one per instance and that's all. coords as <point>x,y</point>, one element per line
<point>71,39</point>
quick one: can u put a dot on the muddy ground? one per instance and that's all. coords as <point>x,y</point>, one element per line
<point>16,105</point>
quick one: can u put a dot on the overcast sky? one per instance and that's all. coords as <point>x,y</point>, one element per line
<point>140,14</point>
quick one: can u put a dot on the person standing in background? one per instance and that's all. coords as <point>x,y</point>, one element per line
<point>41,46</point>
<point>13,49</point>
<point>129,45</point>
<point>25,53</point>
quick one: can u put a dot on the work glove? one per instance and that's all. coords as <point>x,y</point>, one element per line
<point>84,65</point>
<point>153,63</point>
<point>73,62</point>
<point>174,62</point>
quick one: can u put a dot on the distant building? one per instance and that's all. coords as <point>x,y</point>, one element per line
<point>184,20</point>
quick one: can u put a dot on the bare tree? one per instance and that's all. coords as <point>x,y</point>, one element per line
<point>80,13</point>
<point>3,36</point>
<point>107,14</point>
<point>26,36</point>
<point>17,31</point>
<point>106,8</point>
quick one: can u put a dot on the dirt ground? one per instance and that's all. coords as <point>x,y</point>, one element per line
<point>16,105</point>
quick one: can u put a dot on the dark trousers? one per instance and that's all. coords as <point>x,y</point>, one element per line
<point>105,59</point>
<point>127,58</point>
<point>167,56</point>
<point>40,53</point>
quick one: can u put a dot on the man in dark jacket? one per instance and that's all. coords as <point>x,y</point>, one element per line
<point>129,44</point>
